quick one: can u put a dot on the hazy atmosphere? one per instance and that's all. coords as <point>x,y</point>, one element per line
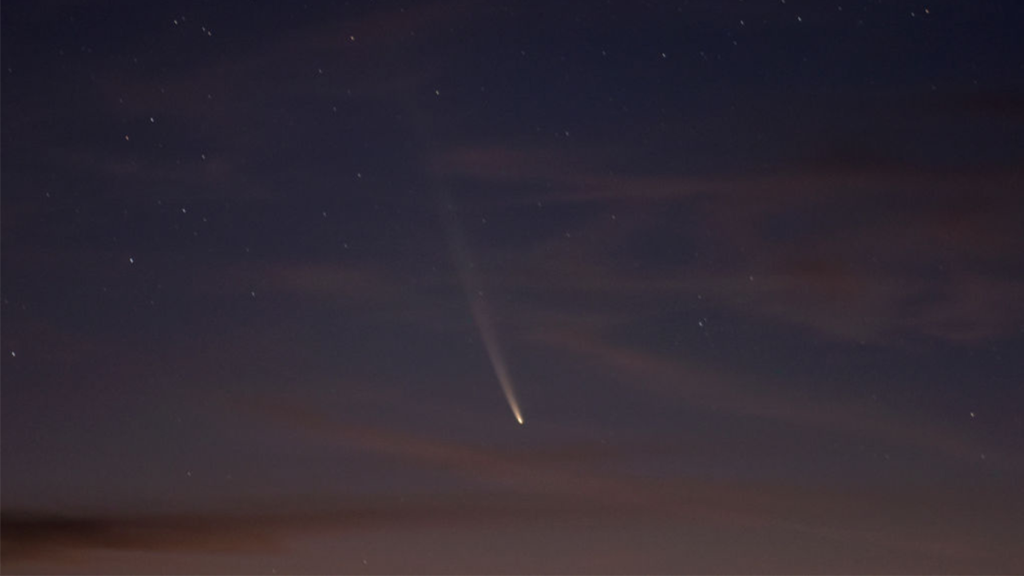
<point>520,287</point>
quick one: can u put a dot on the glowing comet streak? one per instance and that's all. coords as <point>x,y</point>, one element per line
<point>490,338</point>
<point>477,304</point>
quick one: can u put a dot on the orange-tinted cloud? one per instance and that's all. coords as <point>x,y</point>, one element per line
<point>918,261</point>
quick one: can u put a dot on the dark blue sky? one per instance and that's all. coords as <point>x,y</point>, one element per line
<point>756,270</point>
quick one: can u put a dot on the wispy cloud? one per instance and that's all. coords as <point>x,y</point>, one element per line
<point>733,394</point>
<point>908,527</point>
<point>919,260</point>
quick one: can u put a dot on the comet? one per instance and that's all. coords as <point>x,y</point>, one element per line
<point>490,337</point>
<point>478,306</point>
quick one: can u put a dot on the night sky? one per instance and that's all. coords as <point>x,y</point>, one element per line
<point>277,279</point>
